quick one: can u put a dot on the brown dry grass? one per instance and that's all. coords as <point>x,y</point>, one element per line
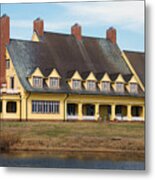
<point>77,136</point>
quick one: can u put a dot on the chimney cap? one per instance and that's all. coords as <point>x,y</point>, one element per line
<point>76,24</point>
<point>4,15</point>
<point>38,19</point>
<point>111,27</point>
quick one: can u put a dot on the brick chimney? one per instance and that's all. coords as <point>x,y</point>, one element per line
<point>4,40</point>
<point>111,35</point>
<point>76,31</point>
<point>38,26</point>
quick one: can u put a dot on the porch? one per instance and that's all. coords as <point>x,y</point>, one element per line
<point>104,112</point>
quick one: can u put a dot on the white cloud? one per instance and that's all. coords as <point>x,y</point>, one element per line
<point>129,14</point>
<point>21,23</point>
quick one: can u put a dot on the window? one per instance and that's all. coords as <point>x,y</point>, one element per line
<point>54,82</point>
<point>12,82</point>
<point>76,84</point>
<point>119,87</point>
<point>0,106</point>
<point>133,88</point>
<point>11,107</point>
<point>7,64</point>
<point>91,85</point>
<point>37,82</point>
<point>106,86</point>
<point>45,107</point>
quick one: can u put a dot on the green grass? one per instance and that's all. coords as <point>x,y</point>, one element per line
<point>56,129</point>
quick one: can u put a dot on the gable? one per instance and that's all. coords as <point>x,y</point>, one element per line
<point>133,80</point>
<point>54,73</point>
<point>11,72</point>
<point>37,73</point>
<point>120,79</point>
<point>105,77</point>
<point>91,77</point>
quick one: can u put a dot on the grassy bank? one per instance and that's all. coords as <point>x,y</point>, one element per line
<point>76,136</point>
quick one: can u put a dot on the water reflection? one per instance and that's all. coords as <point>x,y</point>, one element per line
<point>74,160</point>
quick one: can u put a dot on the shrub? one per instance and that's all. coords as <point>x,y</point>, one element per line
<point>7,140</point>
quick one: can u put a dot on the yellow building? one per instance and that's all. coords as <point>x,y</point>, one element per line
<point>69,77</point>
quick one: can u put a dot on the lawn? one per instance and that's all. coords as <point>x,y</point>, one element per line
<point>76,136</point>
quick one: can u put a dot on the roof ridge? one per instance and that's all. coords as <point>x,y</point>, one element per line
<point>132,51</point>
<point>65,34</point>
<point>24,40</point>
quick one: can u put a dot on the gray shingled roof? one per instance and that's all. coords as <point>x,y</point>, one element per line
<point>137,60</point>
<point>66,54</point>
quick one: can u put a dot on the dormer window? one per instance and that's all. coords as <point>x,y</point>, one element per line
<point>133,88</point>
<point>7,64</point>
<point>120,87</point>
<point>105,86</point>
<point>76,84</point>
<point>37,82</point>
<point>54,83</point>
<point>91,85</point>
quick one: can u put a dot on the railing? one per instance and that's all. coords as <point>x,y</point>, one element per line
<point>72,117</point>
<point>136,118</point>
<point>12,91</point>
<point>88,117</point>
<point>121,118</point>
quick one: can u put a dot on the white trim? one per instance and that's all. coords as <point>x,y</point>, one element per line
<point>88,117</point>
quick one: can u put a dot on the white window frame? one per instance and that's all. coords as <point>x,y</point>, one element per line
<point>45,107</point>
<point>106,86</point>
<point>76,84</point>
<point>91,85</point>
<point>54,82</point>
<point>120,87</point>
<point>37,82</point>
<point>134,88</point>
<point>7,64</point>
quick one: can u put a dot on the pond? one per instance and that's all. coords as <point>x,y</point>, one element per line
<point>82,160</point>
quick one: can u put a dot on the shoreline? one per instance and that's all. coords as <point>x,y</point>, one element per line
<point>105,150</point>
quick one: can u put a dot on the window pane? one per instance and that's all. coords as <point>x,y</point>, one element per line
<point>11,107</point>
<point>54,82</point>
<point>0,106</point>
<point>133,87</point>
<point>91,85</point>
<point>120,87</point>
<point>7,64</point>
<point>45,106</point>
<point>76,84</point>
<point>105,86</point>
<point>37,82</point>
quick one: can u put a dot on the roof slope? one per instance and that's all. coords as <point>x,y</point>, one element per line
<point>66,54</point>
<point>137,60</point>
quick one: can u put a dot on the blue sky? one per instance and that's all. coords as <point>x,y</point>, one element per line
<point>94,17</point>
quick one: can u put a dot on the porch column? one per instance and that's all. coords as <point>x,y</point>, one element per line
<point>129,113</point>
<point>80,111</point>
<point>143,112</point>
<point>96,111</point>
<point>4,106</point>
<point>112,112</point>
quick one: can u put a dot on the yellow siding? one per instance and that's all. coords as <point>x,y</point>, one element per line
<point>104,78</point>
<point>37,73</point>
<point>12,73</point>
<point>132,80</point>
<point>53,74</point>
<point>91,77</point>
<point>44,97</point>
<point>35,38</point>
<point>75,76</point>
